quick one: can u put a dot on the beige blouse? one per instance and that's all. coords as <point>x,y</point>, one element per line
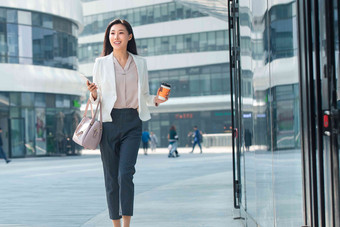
<point>126,84</point>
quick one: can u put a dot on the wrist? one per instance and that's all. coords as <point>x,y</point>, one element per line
<point>155,101</point>
<point>94,95</point>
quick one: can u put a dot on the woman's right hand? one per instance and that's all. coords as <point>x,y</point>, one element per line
<point>92,87</point>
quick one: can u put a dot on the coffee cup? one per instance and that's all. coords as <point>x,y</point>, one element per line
<point>164,91</point>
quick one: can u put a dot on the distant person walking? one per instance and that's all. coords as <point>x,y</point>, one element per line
<point>153,141</point>
<point>190,141</point>
<point>247,139</point>
<point>197,139</point>
<point>145,141</point>
<point>2,152</point>
<point>173,142</point>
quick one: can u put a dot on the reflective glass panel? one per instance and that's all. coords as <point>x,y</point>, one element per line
<point>12,16</point>
<point>271,126</point>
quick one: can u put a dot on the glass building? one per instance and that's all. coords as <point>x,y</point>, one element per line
<point>40,89</point>
<point>184,46</point>
<point>286,149</point>
<point>268,58</point>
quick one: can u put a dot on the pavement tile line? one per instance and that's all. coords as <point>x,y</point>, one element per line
<point>13,225</point>
<point>38,168</point>
<point>162,150</point>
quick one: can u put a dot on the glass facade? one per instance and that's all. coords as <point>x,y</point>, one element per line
<point>193,81</point>
<point>271,169</point>
<point>188,82</point>
<point>139,16</point>
<point>38,124</point>
<point>188,43</point>
<point>37,38</point>
<point>207,121</point>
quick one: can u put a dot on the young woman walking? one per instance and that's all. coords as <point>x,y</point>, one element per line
<point>120,81</point>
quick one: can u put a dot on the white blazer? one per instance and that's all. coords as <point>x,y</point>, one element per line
<point>104,78</point>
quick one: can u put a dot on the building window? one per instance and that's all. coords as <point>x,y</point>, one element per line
<point>193,81</point>
<point>37,38</point>
<point>189,43</point>
<point>138,16</point>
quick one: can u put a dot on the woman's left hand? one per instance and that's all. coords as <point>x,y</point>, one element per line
<point>159,101</point>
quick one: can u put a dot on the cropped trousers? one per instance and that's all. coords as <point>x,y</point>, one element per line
<point>119,149</point>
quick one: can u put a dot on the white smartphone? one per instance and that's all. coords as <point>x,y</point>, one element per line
<point>85,78</point>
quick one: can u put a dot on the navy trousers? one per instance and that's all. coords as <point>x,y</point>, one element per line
<point>196,142</point>
<point>119,149</point>
<point>3,154</point>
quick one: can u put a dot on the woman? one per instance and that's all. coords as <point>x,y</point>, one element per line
<point>121,83</point>
<point>173,138</point>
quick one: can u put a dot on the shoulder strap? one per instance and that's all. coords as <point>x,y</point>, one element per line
<point>86,108</point>
<point>95,113</point>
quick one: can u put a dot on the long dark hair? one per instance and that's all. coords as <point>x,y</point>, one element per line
<point>173,128</point>
<point>107,48</point>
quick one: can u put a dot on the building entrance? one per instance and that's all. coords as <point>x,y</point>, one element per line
<point>4,127</point>
<point>17,137</point>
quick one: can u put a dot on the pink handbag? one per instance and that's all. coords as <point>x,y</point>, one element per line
<point>89,131</point>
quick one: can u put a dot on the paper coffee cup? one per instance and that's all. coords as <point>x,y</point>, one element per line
<point>164,91</point>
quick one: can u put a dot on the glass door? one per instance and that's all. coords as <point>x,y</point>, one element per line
<point>235,98</point>
<point>336,7</point>
<point>334,60</point>
<point>329,64</point>
<point>17,137</point>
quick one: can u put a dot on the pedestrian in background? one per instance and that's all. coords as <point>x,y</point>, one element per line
<point>145,141</point>
<point>120,82</point>
<point>197,139</point>
<point>2,152</point>
<point>247,139</point>
<point>153,141</point>
<point>173,142</point>
<point>190,141</point>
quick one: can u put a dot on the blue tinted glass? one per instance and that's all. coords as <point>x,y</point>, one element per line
<point>39,100</point>
<point>12,16</point>
<point>3,15</point>
<point>139,16</point>
<point>271,124</point>
<point>36,19</point>
<point>3,40</point>
<point>12,41</point>
<point>47,21</point>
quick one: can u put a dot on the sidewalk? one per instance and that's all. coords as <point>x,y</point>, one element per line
<point>202,201</point>
<point>184,199</point>
<point>193,190</point>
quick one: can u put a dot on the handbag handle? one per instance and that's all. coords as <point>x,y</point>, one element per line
<point>95,113</point>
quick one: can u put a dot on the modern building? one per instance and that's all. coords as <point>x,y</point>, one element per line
<point>40,88</point>
<point>184,46</point>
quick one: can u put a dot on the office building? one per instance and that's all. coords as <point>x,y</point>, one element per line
<point>40,88</point>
